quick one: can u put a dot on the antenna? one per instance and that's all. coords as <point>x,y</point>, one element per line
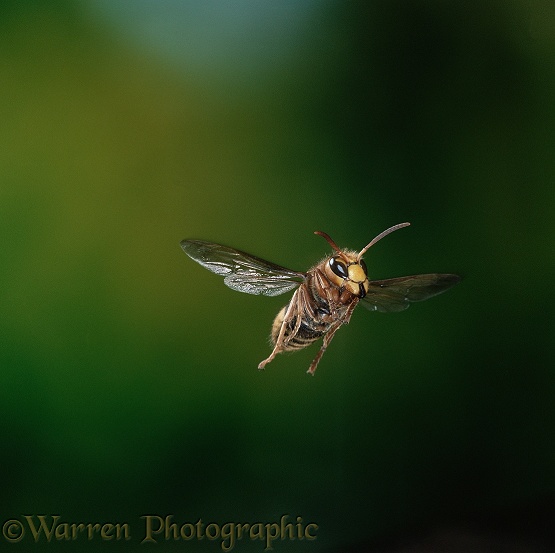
<point>379,237</point>
<point>331,243</point>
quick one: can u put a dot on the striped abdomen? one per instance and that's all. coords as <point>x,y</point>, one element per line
<point>309,330</point>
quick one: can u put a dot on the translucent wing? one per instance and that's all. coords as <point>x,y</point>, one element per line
<point>242,271</point>
<point>396,294</point>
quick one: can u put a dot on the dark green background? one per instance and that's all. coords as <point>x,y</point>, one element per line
<point>129,381</point>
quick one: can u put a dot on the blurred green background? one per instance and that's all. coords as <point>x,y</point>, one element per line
<point>129,380</point>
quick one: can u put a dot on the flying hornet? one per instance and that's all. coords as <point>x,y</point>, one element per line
<point>325,296</point>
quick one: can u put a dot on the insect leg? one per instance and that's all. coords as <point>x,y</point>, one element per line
<point>297,323</point>
<point>280,341</point>
<point>327,339</point>
<point>350,310</point>
<point>329,336</point>
<point>302,309</point>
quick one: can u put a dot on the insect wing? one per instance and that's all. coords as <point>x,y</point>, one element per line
<point>396,294</point>
<point>241,271</point>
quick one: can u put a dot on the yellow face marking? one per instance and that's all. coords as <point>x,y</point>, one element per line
<point>356,273</point>
<point>352,287</point>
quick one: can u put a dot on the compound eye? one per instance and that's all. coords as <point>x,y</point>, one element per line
<point>363,265</point>
<point>338,267</point>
